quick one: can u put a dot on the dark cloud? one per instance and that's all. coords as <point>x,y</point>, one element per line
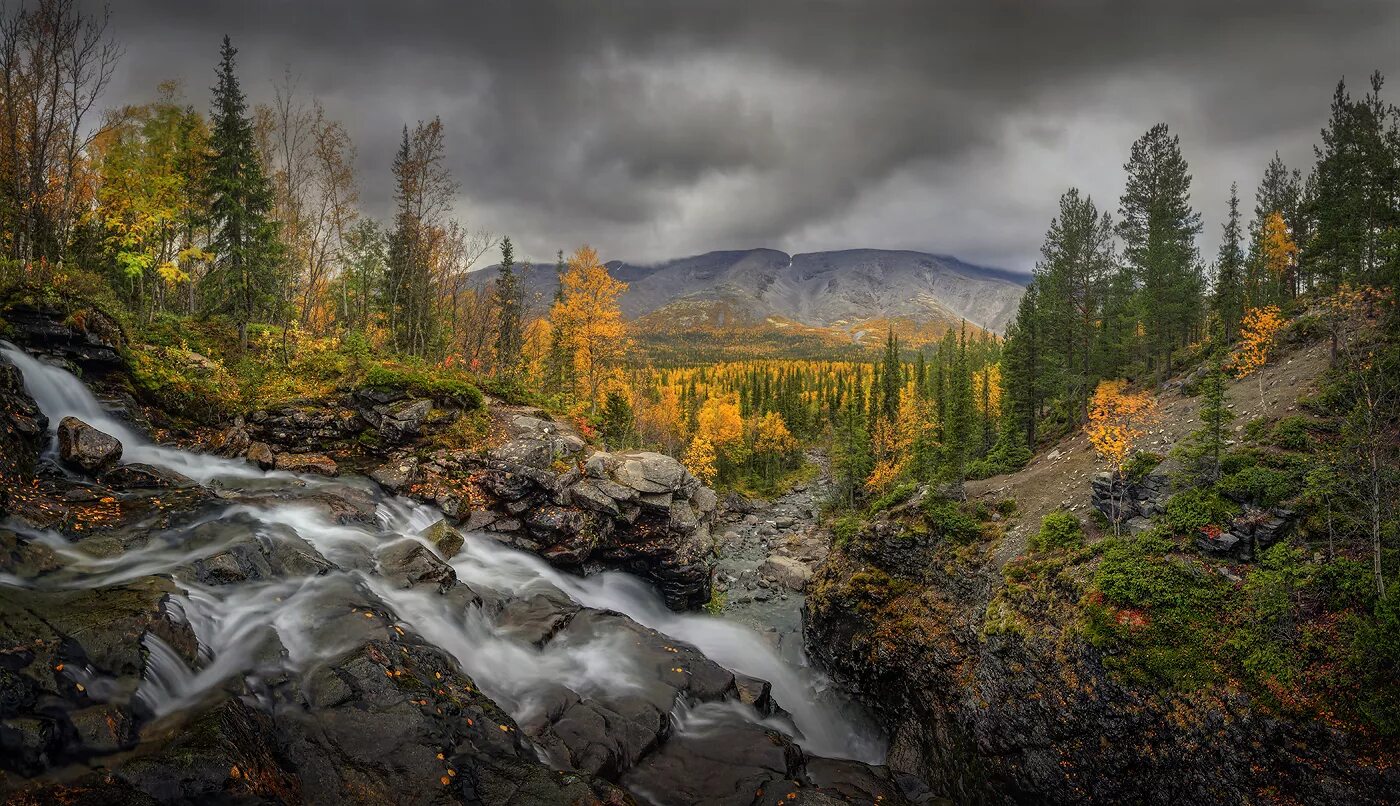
<point>654,129</point>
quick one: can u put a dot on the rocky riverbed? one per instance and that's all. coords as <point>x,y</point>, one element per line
<point>182,627</point>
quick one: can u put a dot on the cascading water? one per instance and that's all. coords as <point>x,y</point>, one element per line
<point>297,614</point>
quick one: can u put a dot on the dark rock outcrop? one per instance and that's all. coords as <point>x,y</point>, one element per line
<point>85,336</point>
<point>83,447</point>
<point>23,428</point>
<point>1032,714</point>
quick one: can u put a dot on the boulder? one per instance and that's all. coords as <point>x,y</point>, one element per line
<point>141,476</point>
<point>396,476</point>
<point>83,447</point>
<point>409,563</point>
<point>791,573</point>
<point>260,454</point>
<point>648,472</point>
<point>404,420</point>
<point>448,540</point>
<point>318,463</point>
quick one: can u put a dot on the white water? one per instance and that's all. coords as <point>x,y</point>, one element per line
<point>289,625</point>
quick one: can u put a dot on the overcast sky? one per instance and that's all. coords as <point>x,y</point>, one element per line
<point>657,129</point>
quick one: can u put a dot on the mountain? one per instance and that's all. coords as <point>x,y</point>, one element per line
<point>838,296</point>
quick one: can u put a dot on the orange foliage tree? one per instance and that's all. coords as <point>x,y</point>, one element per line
<point>1117,420</point>
<point>1258,330</point>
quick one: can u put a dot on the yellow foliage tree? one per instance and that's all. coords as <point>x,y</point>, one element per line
<point>721,424</point>
<point>1117,419</point>
<point>1258,330</point>
<point>700,459</point>
<point>588,311</point>
<point>1279,250</point>
<point>890,445</point>
<point>772,440</point>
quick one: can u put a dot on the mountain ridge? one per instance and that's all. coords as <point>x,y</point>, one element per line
<point>837,290</point>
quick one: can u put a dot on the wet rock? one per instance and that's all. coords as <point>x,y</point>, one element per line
<point>409,563</point>
<point>232,442</point>
<point>22,426</point>
<point>260,454</point>
<point>85,448</point>
<point>141,476</point>
<point>448,541</point>
<point>588,495</point>
<point>402,421</point>
<point>317,463</point>
<point>85,336</point>
<point>395,476</point>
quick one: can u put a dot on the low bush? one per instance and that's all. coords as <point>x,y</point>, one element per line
<point>1058,530</point>
<point>1258,485</point>
<point>1191,510</point>
<point>441,385</point>
<point>898,495</point>
<point>947,519</point>
<point>184,382</point>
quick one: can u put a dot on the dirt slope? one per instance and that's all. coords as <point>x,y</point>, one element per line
<point>1059,478</point>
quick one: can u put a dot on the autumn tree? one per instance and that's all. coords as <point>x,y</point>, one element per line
<point>1279,253</point>
<point>244,278</point>
<point>588,311</point>
<point>1257,334</point>
<point>700,459</point>
<point>772,441</point>
<point>1117,420</point>
<point>56,60</point>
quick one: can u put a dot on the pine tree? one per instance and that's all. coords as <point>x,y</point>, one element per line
<point>1159,229</point>
<point>1229,265</point>
<point>244,278</point>
<point>618,425</point>
<point>891,379</point>
<point>559,364</point>
<point>1205,447</point>
<point>510,335</point>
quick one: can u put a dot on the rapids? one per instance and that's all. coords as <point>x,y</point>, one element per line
<point>286,626</point>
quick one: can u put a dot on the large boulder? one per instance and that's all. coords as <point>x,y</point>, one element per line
<point>83,447</point>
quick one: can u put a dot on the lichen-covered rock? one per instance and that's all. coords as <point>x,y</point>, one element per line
<point>318,463</point>
<point>85,448</point>
<point>448,541</point>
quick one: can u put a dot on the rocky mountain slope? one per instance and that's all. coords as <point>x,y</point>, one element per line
<point>837,291</point>
<point>1107,669</point>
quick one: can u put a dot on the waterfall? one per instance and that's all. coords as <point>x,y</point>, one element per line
<point>290,624</point>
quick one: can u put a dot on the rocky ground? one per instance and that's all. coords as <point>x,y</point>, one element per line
<point>767,553</point>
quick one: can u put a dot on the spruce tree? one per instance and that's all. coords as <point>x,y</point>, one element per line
<point>510,335</point>
<point>243,280</point>
<point>1205,447</point>
<point>1229,265</point>
<point>559,362</point>
<point>618,422</point>
<point>891,379</point>
<point>1158,229</point>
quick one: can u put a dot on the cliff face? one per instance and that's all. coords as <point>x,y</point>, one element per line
<point>993,694</point>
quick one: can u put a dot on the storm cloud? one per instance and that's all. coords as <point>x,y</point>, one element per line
<point>657,129</point>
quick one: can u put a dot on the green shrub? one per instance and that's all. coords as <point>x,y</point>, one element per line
<point>948,520</point>
<point>1255,429</point>
<point>1258,485</point>
<point>1142,463</point>
<point>1191,510</point>
<point>1292,433</point>
<point>1058,530</point>
<point>898,495</point>
<point>442,386</point>
<point>184,383</point>
<point>846,527</point>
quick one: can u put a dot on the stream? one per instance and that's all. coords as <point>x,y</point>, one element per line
<point>500,621</point>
